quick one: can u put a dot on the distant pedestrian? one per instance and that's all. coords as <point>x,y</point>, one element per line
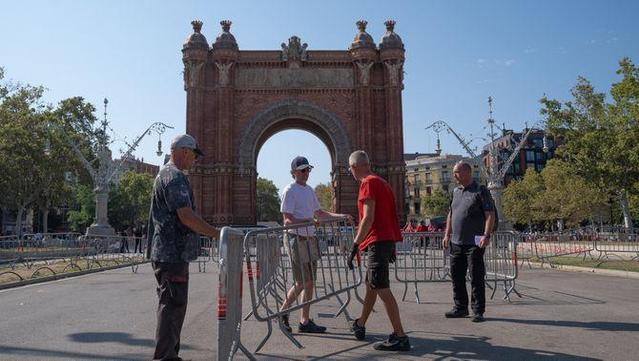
<point>173,242</point>
<point>469,228</point>
<point>377,233</point>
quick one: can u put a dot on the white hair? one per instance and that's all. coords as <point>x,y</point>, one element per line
<point>358,157</point>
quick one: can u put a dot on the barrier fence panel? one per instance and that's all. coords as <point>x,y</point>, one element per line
<point>298,257</point>
<point>229,303</point>
<point>621,245</point>
<point>545,246</point>
<point>500,259</point>
<point>421,258</point>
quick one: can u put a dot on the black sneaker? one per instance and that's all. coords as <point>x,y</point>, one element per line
<point>456,313</point>
<point>394,343</point>
<point>287,326</point>
<point>359,331</point>
<point>311,327</point>
<point>478,317</point>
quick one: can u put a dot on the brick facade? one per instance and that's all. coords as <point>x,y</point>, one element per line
<point>237,99</point>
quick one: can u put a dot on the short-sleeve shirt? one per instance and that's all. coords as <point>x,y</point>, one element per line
<point>300,201</point>
<point>467,211</point>
<point>385,226</point>
<point>171,191</point>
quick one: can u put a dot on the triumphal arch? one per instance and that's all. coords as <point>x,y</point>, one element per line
<point>237,99</point>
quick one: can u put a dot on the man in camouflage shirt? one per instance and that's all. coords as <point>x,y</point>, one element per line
<point>173,241</point>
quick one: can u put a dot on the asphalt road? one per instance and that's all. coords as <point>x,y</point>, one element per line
<point>111,316</point>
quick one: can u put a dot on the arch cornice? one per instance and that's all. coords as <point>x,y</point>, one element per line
<point>276,113</point>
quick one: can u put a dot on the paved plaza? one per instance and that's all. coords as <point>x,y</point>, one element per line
<point>111,316</point>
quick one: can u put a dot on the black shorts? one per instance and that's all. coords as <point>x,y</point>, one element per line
<point>378,257</point>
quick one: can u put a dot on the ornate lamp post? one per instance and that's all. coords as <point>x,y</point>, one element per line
<point>496,170</point>
<point>106,168</point>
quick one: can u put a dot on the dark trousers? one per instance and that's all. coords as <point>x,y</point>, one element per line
<point>138,244</point>
<point>173,291</point>
<point>464,257</point>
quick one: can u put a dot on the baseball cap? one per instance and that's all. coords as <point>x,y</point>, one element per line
<point>186,141</point>
<point>300,163</point>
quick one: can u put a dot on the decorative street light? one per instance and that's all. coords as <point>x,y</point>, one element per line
<point>496,170</point>
<point>106,168</point>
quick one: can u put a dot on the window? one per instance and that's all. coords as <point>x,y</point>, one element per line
<point>445,176</point>
<point>417,192</point>
<point>476,175</point>
<point>530,156</point>
<point>428,190</point>
<point>429,178</point>
<point>538,142</point>
<point>417,208</point>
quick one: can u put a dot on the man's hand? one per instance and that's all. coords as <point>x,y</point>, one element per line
<point>484,241</point>
<point>354,251</point>
<point>348,217</point>
<point>215,234</point>
<point>445,242</point>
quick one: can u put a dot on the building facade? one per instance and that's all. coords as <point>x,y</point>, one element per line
<point>534,154</point>
<point>429,172</point>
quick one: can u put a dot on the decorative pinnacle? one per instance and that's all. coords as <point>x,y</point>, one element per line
<point>197,25</point>
<point>361,25</point>
<point>226,25</point>
<point>390,25</point>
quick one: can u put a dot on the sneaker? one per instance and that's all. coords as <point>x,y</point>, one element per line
<point>478,317</point>
<point>359,331</point>
<point>311,327</point>
<point>456,313</point>
<point>394,343</point>
<point>284,321</point>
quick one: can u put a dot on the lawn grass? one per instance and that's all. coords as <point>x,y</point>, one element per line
<point>611,263</point>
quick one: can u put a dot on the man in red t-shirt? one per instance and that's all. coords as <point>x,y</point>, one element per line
<point>377,233</point>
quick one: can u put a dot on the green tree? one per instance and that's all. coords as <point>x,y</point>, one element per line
<point>268,201</point>
<point>567,198</point>
<point>83,208</point>
<point>600,137</point>
<point>324,193</point>
<point>130,202</point>
<point>519,199</point>
<point>437,204</point>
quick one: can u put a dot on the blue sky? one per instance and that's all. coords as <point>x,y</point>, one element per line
<point>457,54</point>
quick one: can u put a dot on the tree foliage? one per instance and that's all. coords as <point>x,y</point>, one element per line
<point>600,137</point>
<point>129,203</point>
<point>324,193</point>
<point>268,201</point>
<point>437,204</point>
<point>558,194</point>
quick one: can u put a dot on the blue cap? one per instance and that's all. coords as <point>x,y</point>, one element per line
<point>300,163</point>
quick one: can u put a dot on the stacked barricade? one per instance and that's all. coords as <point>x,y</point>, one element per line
<point>501,263</point>
<point>278,259</point>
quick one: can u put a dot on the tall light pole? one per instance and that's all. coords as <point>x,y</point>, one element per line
<point>496,170</point>
<point>106,169</point>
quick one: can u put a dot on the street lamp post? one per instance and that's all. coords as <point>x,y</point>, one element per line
<point>496,171</point>
<point>106,169</point>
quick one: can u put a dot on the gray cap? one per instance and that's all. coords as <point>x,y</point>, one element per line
<point>186,141</point>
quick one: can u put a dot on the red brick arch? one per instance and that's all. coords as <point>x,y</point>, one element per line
<point>237,99</point>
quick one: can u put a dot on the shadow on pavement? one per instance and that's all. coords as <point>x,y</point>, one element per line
<point>596,325</point>
<point>119,337</point>
<point>454,347</point>
<point>31,353</point>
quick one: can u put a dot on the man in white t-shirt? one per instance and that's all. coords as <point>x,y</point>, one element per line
<point>300,205</point>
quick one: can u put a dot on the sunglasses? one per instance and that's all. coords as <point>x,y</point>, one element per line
<point>305,170</point>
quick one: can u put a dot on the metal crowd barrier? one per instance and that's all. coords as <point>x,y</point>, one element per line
<point>421,258</point>
<point>546,246</point>
<point>622,245</point>
<point>273,257</point>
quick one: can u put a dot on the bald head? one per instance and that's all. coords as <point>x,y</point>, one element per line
<point>463,173</point>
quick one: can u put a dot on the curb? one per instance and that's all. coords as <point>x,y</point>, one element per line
<point>600,271</point>
<point>64,275</point>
